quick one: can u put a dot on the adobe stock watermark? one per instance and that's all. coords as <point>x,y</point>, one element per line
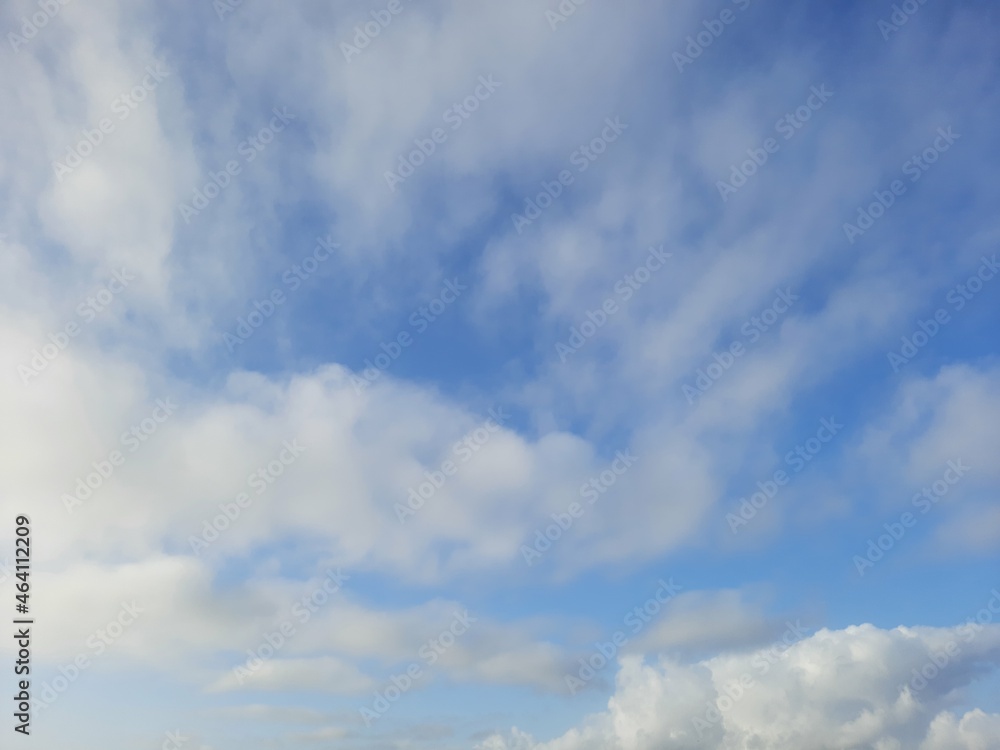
<point>123,106</point>
<point>605,651</point>
<point>455,115</point>
<point>939,660</point>
<point>581,158</point>
<point>365,32</point>
<point>175,740</point>
<point>927,498</point>
<point>958,297</point>
<point>302,611</point>
<point>463,451</point>
<point>591,490</point>
<point>796,459</point>
<point>105,468</point>
<point>97,644</point>
<point>249,148</point>
<point>562,13</point>
<point>293,278</point>
<point>429,653</point>
<point>735,690</point>
<point>752,329</point>
<point>915,167</point>
<point>420,320</point>
<point>714,28</point>
<point>899,17</point>
<point>260,480</point>
<point>624,288</point>
<point>787,127</point>
<point>33,24</point>
<point>87,311</point>
<point>225,8</point>
<point>6,570</point>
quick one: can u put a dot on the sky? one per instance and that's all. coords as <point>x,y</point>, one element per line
<point>535,375</point>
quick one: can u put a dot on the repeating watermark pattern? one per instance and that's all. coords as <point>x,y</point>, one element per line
<point>733,691</point>
<point>429,653</point>
<point>939,660</point>
<point>796,459</point>
<point>420,320</point>
<point>463,451</point>
<point>752,329</point>
<point>260,480</point>
<point>249,149</point>
<point>958,297</point>
<point>591,491</point>
<point>605,651</point>
<point>302,611</point>
<point>581,158</point>
<point>105,468</point>
<point>562,13</point>
<point>455,115</point>
<point>900,16</point>
<point>293,278</point>
<point>97,644</point>
<point>787,126</point>
<point>31,25</point>
<point>123,106</point>
<point>87,311</point>
<point>365,32</point>
<point>624,289</point>
<point>714,28</point>
<point>915,167</point>
<point>923,501</point>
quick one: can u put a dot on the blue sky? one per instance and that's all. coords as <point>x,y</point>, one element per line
<point>488,263</point>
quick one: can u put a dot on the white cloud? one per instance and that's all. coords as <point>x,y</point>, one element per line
<point>952,414</point>
<point>835,690</point>
<point>335,504</point>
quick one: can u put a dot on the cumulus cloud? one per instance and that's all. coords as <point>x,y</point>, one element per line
<point>837,689</point>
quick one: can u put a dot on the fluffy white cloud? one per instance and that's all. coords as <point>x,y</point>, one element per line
<point>835,690</point>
